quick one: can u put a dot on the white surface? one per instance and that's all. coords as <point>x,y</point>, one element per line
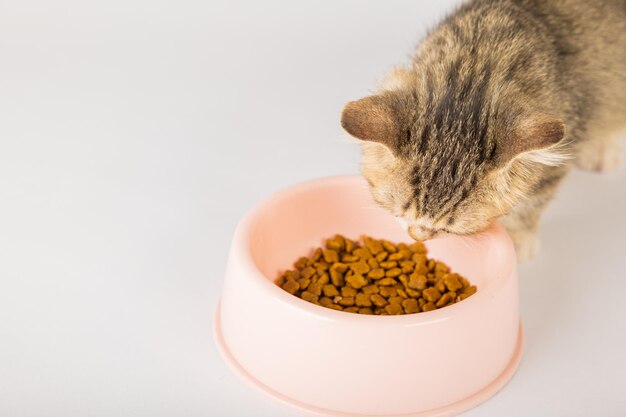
<point>134,135</point>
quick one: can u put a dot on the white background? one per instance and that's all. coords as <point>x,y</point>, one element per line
<point>133,137</point>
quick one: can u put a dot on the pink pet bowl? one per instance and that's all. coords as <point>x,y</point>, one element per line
<point>324,362</point>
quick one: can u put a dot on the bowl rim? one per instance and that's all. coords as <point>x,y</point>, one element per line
<point>241,244</point>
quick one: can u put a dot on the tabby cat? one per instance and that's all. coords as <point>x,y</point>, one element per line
<point>496,105</point>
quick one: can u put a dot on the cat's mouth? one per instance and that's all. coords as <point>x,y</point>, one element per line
<point>420,232</point>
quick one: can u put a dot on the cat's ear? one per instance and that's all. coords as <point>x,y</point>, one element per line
<point>532,133</point>
<point>371,118</point>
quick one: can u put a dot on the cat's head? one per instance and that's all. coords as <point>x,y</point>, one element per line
<point>450,167</point>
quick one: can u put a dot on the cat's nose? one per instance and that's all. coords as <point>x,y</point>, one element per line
<point>420,233</point>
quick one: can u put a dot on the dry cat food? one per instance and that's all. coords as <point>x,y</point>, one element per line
<point>374,277</point>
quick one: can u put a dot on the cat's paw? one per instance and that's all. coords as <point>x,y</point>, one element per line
<point>526,244</point>
<point>600,156</point>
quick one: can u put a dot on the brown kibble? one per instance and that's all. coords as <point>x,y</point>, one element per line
<point>445,299</point>
<point>373,245</point>
<point>417,282</point>
<point>308,272</point>
<point>393,272</point>
<point>336,278</point>
<point>348,291</point>
<point>378,300</point>
<point>377,277</point>
<point>360,267</point>
<point>346,301</point>
<point>431,294</point>
<point>413,293</point>
<point>370,289</point>
<point>325,301</point>
<point>410,306</point>
<point>291,287</point>
<point>303,283</point>
<point>394,309</point>
<point>389,247</point>
<point>330,256</point>
<point>330,290</point>
<point>363,300</point>
<point>387,281</point>
<point>376,273</point>
<point>429,307</point>
<point>349,258</point>
<point>373,263</point>
<point>452,282</point>
<point>307,296</point>
<point>388,292</point>
<point>350,245</point>
<point>388,264</point>
<point>301,263</point>
<point>357,281</point>
<point>417,247</point>
<point>317,255</point>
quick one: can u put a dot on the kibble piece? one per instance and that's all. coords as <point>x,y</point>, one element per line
<point>417,247</point>
<point>373,263</point>
<point>362,253</point>
<point>377,273</point>
<point>440,268</point>
<point>388,264</point>
<point>352,309</point>
<point>335,307</point>
<point>431,264</point>
<point>378,300</point>
<point>394,309</point>
<point>404,279</point>
<point>292,275</point>
<point>429,307</point>
<point>413,293</point>
<point>315,288</point>
<point>388,292</point>
<point>395,300</point>
<point>467,292</point>
<point>431,294</point>
<point>301,263</point>
<point>401,293</point>
<point>420,267</point>
<point>291,287</point>
<point>417,282</point>
<point>357,281</point>
<point>381,256</point>
<point>445,299</point>
<point>421,302</point>
<point>370,289</point>
<point>363,300</point>
<point>325,301</point>
<point>360,267</point>
<point>321,266</point>
<point>346,301</point>
<point>410,306</point>
<point>336,278</point>
<point>303,283</point>
<point>330,290</point>
<point>386,281</point>
<point>308,272</point>
<point>350,245</point>
<point>393,272</point>
<point>365,310</point>
<point>316,255</point>
<point>452,282</point>
<point>373,245</point>
<point>389,247</point>
<point>348,292</point>
<point>441,287</point>
<point>307,296</point>
<point>349,258</point>
<point>330,256</point>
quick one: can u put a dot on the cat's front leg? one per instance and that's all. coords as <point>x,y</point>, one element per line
<point>522,222</point>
